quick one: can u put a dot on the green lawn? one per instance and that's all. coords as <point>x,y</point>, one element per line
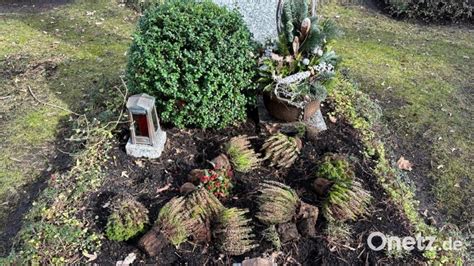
<point>422,76</point>
<point>64,55</point>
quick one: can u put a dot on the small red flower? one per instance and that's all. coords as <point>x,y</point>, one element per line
<point>204,179</point>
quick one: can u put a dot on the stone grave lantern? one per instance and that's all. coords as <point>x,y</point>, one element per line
<point>146,137</point>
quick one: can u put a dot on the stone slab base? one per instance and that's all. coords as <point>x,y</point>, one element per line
<point>147,151</point>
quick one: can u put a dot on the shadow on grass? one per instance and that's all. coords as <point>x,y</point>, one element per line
<point>84,81</point>
<point>58,163</point>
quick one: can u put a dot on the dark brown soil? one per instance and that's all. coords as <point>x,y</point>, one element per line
<point>193,148</point>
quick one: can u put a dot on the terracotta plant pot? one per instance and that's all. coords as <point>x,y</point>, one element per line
<point>288,113</point>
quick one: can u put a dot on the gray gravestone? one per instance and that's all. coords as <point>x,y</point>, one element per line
<point>259,15</point>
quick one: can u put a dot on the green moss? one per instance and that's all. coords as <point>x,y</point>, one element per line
<point>241,154</point>
<point>346,198</point>
<point>128,219</point>
<point>335,168</point>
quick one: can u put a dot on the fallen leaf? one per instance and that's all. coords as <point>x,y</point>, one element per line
<point>90,257</point>
<point>332,119</point>
<point>139,163</point>
<point>404,164</point>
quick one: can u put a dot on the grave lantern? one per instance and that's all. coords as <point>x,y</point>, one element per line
<point>146,137</point>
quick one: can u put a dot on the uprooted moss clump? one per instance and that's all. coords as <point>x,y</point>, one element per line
<point>128,219</point>
<point>335,167</point>
<point>234,233</point>
<point>179,217</point>
<point>346,199</point>
<point>282,150</point>
<point>242,156</point>
<point>278,203</point>
<point>174,221</point>
<point>203,205</point>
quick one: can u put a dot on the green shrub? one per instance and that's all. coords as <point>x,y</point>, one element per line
<point>127,219</point>
<point>432,10</point>
<point>197,59</point>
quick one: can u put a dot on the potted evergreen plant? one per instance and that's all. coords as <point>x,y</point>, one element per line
<point>294,72</point>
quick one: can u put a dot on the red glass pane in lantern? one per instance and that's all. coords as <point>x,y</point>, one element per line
<point>141,123</point>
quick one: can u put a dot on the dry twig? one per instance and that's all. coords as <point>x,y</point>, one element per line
<point>50,104</point>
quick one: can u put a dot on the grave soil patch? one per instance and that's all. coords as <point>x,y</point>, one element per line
<point>194,148</point>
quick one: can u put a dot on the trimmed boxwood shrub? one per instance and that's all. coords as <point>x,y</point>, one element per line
<point>196,59</point>
<point>432,10</point>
